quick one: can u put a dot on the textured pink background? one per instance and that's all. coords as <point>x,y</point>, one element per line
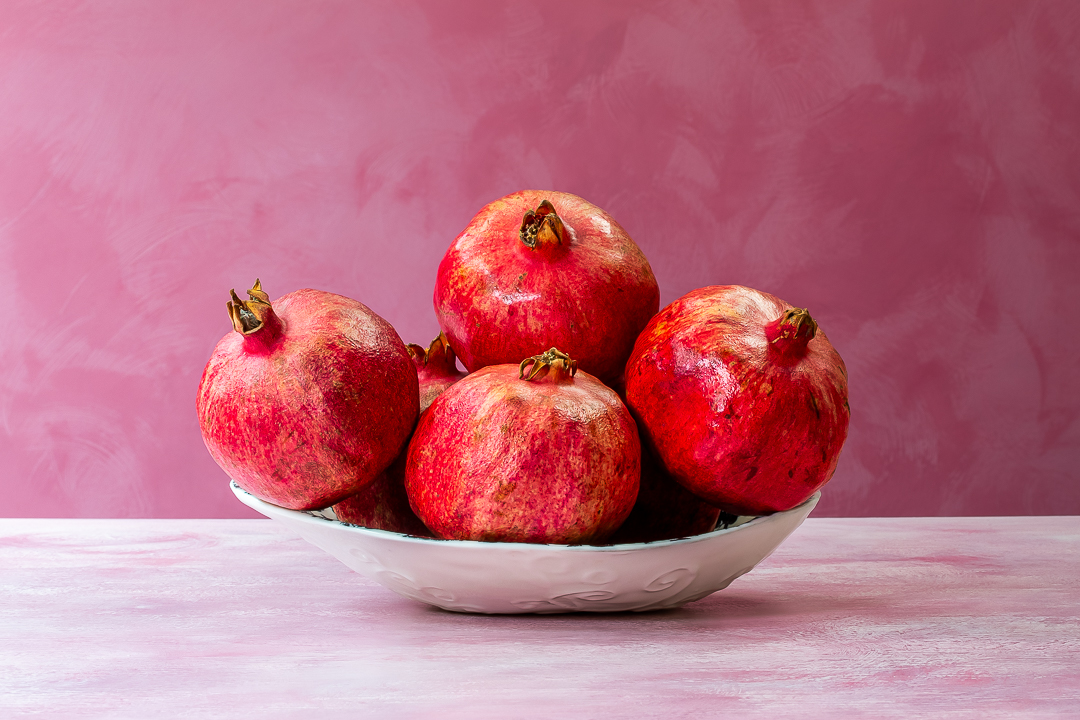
<point>907,170</point>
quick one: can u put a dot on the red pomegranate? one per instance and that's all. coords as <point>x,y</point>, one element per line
<point>547,456</point>
<point>541,268</point>
<point>664,509</point>
<point>309,399</point>
<point>742,397</point>
<point>383,504</point>
<point>436,368</point>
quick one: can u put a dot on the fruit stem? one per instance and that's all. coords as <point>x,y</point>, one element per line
<point>438,356</point>
<point>554,364</point>
<point>255,318</point>
<point>542,228</point>
<point>791,332</point>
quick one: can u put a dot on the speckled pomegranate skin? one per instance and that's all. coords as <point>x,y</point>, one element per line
<point>734,421</point>
<point>308,417</point>
<point>383,504</point>
<point>498,458</point>
<point>499,301</point>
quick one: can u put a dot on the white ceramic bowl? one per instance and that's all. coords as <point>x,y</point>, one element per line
<point>484,577</point>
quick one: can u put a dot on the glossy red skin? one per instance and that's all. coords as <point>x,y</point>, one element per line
<point>383,504</point>
<point>316,414</point>
<point>730,419</point>
<point>499,301</point>
<point>497,458</point>
<point>664,509</point>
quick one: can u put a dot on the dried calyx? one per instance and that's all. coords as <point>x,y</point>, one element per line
<point>553,363</point>
<point>255,314</point>
<point>438,355</point>
<point>542,227</point>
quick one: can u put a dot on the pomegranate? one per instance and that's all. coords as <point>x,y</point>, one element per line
<point>309,399</point>
<point>383,504</point>
<point>743,398</point>
<point>538,268</point>
<point>547,456</point>
<point>664,509</point>
<point>436,367</point>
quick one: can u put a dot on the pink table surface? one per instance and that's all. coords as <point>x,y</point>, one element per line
<point>877,618</point>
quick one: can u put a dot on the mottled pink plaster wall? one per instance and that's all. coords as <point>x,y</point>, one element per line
<point>907,170</point>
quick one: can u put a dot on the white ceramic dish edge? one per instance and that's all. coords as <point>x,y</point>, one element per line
<point>510,578</point>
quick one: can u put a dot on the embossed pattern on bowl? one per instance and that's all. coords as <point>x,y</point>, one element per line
<point>506,578</point>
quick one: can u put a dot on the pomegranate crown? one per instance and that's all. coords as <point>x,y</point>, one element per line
<point>439,354</point>
<point>254,314</point>
<point>552,360</point>
<point>791,332</point>
<point>542,227</point>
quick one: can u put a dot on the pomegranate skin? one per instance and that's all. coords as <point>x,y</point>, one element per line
<point>500,458</point>
<point>664,509</point>
<point>312,406</point>
<point>743,399</point>
<point>590,294</point>
<point>383,504</point>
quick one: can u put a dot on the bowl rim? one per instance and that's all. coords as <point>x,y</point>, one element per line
<point>315,517</point>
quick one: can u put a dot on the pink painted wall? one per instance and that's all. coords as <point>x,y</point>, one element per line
<point>907,170</point>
